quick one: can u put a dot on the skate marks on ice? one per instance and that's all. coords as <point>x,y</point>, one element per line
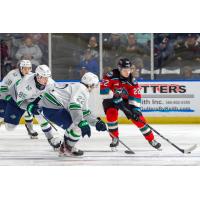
<point>17,149</point>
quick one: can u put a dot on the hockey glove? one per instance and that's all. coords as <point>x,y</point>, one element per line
<point>33,109</point>
<point>100,125</point>
<point>85,128</point>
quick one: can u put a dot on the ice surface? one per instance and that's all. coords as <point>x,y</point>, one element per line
<point>17,149</point>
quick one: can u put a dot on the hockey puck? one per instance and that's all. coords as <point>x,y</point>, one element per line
<point>129,152</point>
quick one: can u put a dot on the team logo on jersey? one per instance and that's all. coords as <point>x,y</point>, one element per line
<point>13,116</point>
<point>28,87</point>
<point>1,110</point>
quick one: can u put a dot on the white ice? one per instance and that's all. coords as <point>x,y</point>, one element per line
<point>17,149</point>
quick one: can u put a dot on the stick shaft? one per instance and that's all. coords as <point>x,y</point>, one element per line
<point>49,122</point>
<point>122,143</point>
<point>164,138</point>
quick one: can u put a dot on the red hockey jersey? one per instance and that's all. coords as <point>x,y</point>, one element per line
<point>129,86</point>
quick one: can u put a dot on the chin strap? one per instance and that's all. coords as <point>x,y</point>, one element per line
<point>84,84</point>
<point>21,73</point>
<point>38,85</point>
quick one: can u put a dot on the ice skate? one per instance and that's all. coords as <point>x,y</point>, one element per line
<point>55,142</point>
<point>32,133</point>
<point>114,144</point>
<point>66,150</point>
<point>155,144</point>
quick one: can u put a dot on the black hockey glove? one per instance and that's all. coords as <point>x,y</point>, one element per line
<point>85,128</point>
<point>100,125</point>
<point>136,114</point>
<point>33,109</point>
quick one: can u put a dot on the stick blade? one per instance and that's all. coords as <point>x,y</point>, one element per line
<point>129,152</point>
<point>192,148</point>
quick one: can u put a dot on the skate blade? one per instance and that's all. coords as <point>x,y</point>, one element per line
<point>61,154</point>
<point>56,149</point>
<point>33,137</point>
<point>68,155</point>
<point>114,149</point>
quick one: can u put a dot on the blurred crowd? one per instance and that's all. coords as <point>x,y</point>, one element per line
<point>135,47</point>
<point>176,56</point>
<point>81,52</point>
<point>74,54</point>
<point>17,46</point>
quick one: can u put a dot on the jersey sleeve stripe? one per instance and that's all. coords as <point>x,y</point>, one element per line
<point>104,91</point>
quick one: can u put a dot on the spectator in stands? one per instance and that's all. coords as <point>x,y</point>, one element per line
<point>4,51</point>
<point>41,39</point>
<point>93,46</point>
<point>93,43</point>
<point>135,72</point>
<point>111,48</point>
<point>164,51</point>
<point>137,66</point>
<point>132,43</point>
<point>30,52</point>
<point>143,38</point>
<point>133,46</point>
<point>88,64</point>
<point>132,49</point>
<point>6,63</point>
<point>189,49</point>
<point>186,73</point>
<point>113,43</point>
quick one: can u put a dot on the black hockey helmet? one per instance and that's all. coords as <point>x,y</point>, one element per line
<point>124,63</point>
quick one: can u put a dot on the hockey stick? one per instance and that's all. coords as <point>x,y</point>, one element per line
<point>129,151</point>
<point>49,122</point>
<point>184,151</point>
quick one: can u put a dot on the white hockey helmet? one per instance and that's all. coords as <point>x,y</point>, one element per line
<point>43,70</point>
<point>90,79</point>
<point>25,63</point>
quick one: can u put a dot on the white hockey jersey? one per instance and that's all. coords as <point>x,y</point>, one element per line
<point>8,81</point>
<point>25,91</point>
<point>73,97</point>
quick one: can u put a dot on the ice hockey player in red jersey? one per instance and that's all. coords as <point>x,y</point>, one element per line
<point>120,90</point>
